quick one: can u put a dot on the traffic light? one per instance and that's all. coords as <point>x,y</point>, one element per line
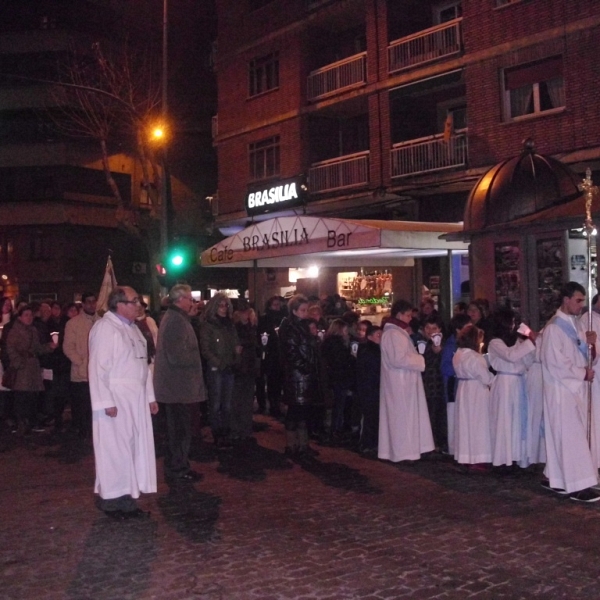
<point>177,260</point>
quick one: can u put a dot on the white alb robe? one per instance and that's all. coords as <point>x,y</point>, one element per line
<point>569,463</point>
<point>508,400</point>
<point>535,442</point>
<point>119,376</point>
<point>404,426</point>
<point>472,432</point>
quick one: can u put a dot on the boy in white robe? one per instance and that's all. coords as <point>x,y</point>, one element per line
<point>404,426</point>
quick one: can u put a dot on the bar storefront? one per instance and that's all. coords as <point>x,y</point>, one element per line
<point>369,263</point>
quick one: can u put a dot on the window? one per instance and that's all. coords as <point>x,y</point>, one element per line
<point>39,246</point>
<point>264,74</point>
<point>6,249</point>
<point>534,88</point>
<point>447,12</point>
<point>264,158</point>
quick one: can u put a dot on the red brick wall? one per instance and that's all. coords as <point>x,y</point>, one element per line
<point>491,138</point>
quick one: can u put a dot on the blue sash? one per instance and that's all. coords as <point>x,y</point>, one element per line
<point>571,333</point>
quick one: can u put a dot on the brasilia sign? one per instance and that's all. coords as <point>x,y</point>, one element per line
<point>275,196</point>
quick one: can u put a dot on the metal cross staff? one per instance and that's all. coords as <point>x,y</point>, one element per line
<point>588,188</point>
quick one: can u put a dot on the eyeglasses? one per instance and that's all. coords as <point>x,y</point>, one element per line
<point>134,301</point>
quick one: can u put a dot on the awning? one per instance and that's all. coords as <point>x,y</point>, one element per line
<point>301,241</point>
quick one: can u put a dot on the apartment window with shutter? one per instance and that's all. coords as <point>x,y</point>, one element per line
<point>534,88</point>
<point>264,158</point>
<point>263,74</point>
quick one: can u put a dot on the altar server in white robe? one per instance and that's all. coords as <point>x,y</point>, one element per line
<point>510,357</point>
<point>472,433</point>
<point>569,468</point>
<point>404,426</point>
<point>122,402</point>
<point>536,443</point>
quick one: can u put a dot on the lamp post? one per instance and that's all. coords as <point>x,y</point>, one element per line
<point>165,191</point>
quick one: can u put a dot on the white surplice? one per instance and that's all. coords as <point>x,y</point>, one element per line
<point>535,443</point>
<point>569,463</point>
<point>119,376</point>
<point>472,431</point>
<point>508,400</point>
<point>404,426</point>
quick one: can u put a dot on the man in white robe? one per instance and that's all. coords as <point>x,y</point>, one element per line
<point>570,468</point>
<point>122,402</point>
<point>404,426</point>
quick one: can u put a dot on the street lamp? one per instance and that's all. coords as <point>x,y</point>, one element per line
<point>159,135</point>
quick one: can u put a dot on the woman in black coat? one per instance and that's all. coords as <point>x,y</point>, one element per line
<point>368,371</point>
<point>340,367</point>
<point>300,375</point>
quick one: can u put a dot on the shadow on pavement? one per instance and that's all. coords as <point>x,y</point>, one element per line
<point>249,462</point>
<point>117,560</point>
<point>338,475</point>
<point>191,513</point>
<point>67,448</point>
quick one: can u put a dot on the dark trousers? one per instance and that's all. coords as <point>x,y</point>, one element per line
<point>438,416</point>
<point>220,391</point>
<point>179,438</point>
<point>81,408</point>
<point>296,417</point>
<point>340,403</point>
<point>241,406</point>
<point>25,405</point>
<point>369,436</point>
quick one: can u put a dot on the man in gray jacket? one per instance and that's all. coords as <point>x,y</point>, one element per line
<point>178,381</point>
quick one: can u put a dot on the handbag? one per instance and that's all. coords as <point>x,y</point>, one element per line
<point>9,378</point>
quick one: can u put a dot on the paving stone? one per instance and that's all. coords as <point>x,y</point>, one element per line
<point>338,527</point>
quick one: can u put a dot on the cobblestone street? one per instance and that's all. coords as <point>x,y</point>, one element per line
<point>337,527</point>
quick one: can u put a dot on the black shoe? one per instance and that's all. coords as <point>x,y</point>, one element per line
<point>116,515</point>
<point>546,485</point>
<point>587,495</point>
<point>138,513</point>
<point>191,476</point>
<point>308,451</point>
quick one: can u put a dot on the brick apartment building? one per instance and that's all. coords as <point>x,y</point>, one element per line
<point>392,109</point>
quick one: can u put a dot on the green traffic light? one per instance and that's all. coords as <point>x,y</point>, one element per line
<point>177,260</point>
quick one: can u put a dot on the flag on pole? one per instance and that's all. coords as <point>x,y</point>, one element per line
<point>109,283</point>
<point>449,127</point>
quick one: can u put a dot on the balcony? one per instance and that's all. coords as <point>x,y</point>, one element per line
<point>425,46</point>
<point>338,76</point>
<point>339,173</point>
<point>426,155</point>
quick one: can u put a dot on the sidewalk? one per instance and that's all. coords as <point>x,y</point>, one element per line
<point>338,527</point>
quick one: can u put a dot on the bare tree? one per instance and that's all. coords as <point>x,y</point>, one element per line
<point>112,97</point>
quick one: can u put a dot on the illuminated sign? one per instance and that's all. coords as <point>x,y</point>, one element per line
<point>275,196</point>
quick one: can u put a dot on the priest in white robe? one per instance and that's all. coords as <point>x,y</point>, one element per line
<point>570,468</point>
<point>404,426</point>
<point>122,404</point>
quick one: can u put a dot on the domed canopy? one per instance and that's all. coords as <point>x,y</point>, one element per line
<point>519,187</point>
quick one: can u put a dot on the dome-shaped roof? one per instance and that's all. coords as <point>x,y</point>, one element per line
<point>519,187</point>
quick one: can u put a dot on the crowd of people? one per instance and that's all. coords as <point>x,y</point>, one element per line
<point>480,389</point>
